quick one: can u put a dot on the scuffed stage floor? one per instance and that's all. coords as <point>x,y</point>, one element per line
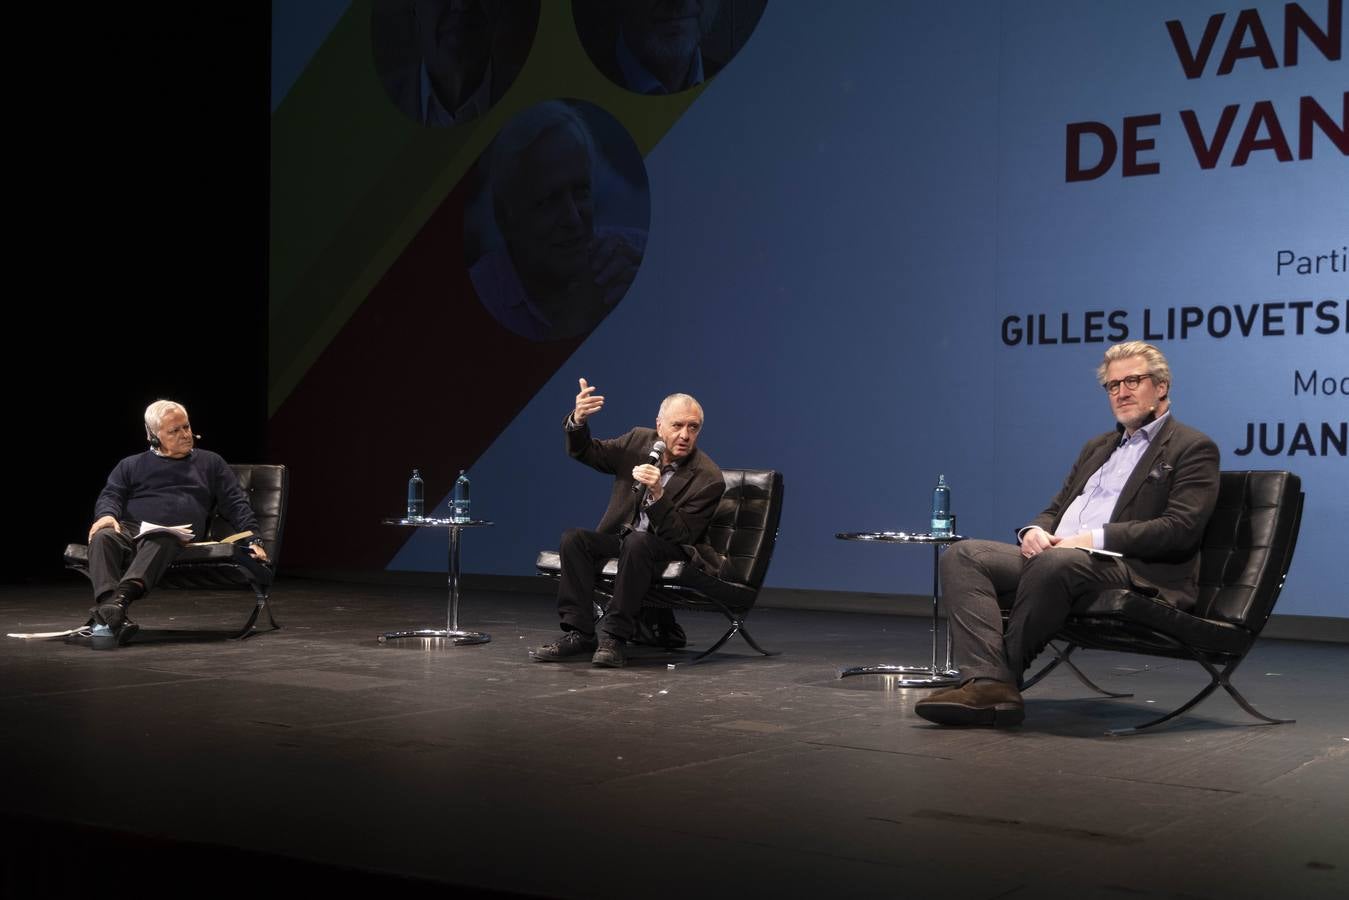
<point>315,757</point>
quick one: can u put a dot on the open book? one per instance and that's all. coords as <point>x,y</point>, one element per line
<point>182,532</point>
<point>232,539</point>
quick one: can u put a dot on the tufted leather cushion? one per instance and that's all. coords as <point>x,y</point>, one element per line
<point>743,530</point>
<point>1122,619</point>
<point>1248,546</point>
<point>745,526</point>
<point>267,488</point>
<point>1247,549</point>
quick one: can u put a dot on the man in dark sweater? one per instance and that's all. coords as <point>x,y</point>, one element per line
<point>171,484</point>
<point>656,513</point>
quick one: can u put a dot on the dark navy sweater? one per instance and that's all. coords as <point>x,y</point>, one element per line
<point>152,488</point>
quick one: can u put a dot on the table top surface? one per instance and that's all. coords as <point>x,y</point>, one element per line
<point>899,537</point>
<point>429,522</point>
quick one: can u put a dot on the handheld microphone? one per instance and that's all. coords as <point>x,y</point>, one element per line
<point>652,459</point>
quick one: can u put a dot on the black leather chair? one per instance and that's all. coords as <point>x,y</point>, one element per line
<point>744,530</point>
<point>214,566</point>
<point>1246,551</point>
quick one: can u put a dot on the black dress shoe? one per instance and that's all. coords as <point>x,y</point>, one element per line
<point>126,632</point>
<point>609,655</point>
<point>984,702</point>
<point>656,627</point>
<point>572,645</point>
<point>120,628</point>
<point>103,638</point>
<point>111,614</point>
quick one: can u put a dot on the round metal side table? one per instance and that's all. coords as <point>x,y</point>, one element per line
<point>451,631</point>
<point>933,675</point>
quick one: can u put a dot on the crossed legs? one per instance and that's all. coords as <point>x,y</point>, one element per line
<point>978,578</point>
<point>117,561</point>
<point>122,569</point>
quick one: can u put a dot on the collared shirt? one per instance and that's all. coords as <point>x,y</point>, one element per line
<point>434,113</point>
<point>638,77</point>
<point>666,472</point>
<point>1091,509</point>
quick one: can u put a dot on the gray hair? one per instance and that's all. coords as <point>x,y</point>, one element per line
<point>503,157</point>
<point>155,413</point>
<point>674,399</point>
<point>1156,362</point>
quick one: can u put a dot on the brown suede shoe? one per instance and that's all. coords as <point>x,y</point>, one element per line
<point>943,694</point>
<point>974,703</point>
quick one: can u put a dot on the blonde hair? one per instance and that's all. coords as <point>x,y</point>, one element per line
<point>1158,367</point>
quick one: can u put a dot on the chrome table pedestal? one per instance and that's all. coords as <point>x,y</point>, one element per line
<point>934,675</point>
<point>451,631</point>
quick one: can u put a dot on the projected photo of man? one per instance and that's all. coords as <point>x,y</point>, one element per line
<point>557,230</point>
<point>443,62</point>
<point>663,46</point>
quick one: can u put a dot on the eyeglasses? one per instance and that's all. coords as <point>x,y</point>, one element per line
<point>1132,382</point>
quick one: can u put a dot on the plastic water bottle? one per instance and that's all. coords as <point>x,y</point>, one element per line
<point>941,508</point>
<point>460,503</point>
<point>416,493</point>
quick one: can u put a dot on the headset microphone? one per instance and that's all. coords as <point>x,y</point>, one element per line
<point>154,438</point>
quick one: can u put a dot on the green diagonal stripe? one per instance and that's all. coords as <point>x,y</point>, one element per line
<point>353,179</point>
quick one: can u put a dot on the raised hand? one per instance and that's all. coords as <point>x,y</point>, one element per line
<point>587,403</point>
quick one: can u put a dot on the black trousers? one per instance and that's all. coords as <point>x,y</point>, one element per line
<point>982,578</point>
<point>583,553</point>
<point>115,558</point>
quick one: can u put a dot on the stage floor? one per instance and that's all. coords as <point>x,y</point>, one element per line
<point>315,755</point>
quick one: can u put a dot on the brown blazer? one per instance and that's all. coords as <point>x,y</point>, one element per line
<point>1158,522</point>
<point>685,509</point>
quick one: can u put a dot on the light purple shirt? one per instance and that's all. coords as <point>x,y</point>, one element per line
<point>1091,509</point>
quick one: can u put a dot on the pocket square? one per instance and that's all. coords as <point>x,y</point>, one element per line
<point>1160,472</point>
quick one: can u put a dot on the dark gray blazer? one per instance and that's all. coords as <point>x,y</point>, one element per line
<point>686,507</point>
<point>1158,521</point>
